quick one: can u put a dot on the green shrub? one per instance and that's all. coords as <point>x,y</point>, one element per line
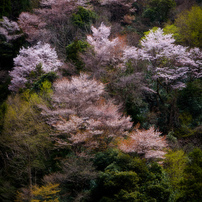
<point>172,29</point>
<point>5,8</point>
<point>192,183</point>
<point>74,49</point>
<point>158,10</point>
<point>50,77</point>
<point>189,24</point>
<point>174,165</point>
<point>189,102</point>
<point>83,18</point>
<point>127,178</point>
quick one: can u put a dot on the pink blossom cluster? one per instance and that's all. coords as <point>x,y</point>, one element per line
<point>33,26</point>
<point>145,142</point>
<point>81,112</point>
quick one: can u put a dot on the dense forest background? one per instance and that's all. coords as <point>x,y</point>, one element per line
<point>100,100</point>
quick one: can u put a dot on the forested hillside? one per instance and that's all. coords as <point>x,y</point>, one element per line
<point>100,100</point>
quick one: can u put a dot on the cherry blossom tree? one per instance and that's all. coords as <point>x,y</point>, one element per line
<point>196,63</point>
<point>106,53</point>
<point>103,47</point>
<point>42,24</point>
<point>9,29</point>
<point>107,64</point>
<point>170,64</point>
<point>145,142</point>
<point>11,39</point>
<point>81,115</point>
<point>27,62</point>
<point>168,67</point>
<point>33,26</point>
<point>51,23</point>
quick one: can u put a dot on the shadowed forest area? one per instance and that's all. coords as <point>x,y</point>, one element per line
<point>100,100</point>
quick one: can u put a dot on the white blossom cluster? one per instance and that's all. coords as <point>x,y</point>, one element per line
<point>169,62</point>
<point>9,29</point>
<point>100,41</point>
<point>49,3</point>
<point>78,91</point>
<point>33,26</point>
<point>27,61</point>
<point>107,51</point>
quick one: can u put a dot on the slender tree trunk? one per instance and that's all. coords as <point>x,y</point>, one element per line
<point>30,176</point>
<point>158,94</point>
<point>173,112</point>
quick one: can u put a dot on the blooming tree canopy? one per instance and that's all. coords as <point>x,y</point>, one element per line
<point>27,62</point>
<point>99,40</point>
<point>9,29</point>
<point>33,26</point>
<point>145,142</point>
<point>169,63</point>
<point>82,115</point>
<point>107,52</point>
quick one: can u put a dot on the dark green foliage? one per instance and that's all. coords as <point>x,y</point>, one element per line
<point>3,108</point>
<point>127,178</point>
<point>37,78</point>
<point>190,106</point>
<point>9,50</point>
<point>158,192</point>
<point>136,112</point>
<point>138,7</point>
<point>6,55</point>
<point>151,14</point>
<point>50,76</point>
<point>34,76</point>
<point>18,6</point>
<point>27,153</point>
<point>103,159</point>
<point>74,49</point>
<point>83,18</point>
<point>12,8</point>
<point>158,10</point>
<point>192,184</point>
<point>5,8</point>
<point>4,92</point>
<point>199,1</point>
<point>189,100</point>
<point>7,191</point>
